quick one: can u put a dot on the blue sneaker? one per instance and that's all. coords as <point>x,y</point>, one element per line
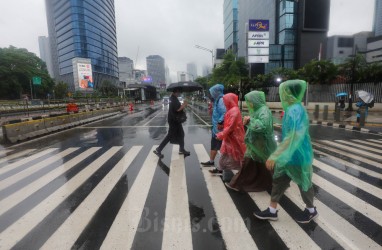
<point>306,216</point>
<point>266,215</point>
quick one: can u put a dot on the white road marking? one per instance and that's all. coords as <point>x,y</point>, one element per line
<point>177,225</point>
<point>361,206</point>
<point>234,231</point>
<point>25,160</point>
<point>349,164</point>
<point>65,236</point>
<point>287,228</point>
<point>15,198</point>
<point>121,233</point>
<point>348,236</point>
<point>34,168</point>
<point>15,232</point>
<point>349,179</point>
<point>353,156</point>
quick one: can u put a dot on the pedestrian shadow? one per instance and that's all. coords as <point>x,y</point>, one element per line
<point>164,167</point>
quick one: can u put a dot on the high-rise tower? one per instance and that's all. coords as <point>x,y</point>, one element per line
<point>83,34</point>
<point>156,69</point>
<point>377,24</point>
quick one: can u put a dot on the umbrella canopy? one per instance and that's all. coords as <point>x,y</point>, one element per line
<point>341,94</point>
<point>366,97</point>
<point>185,86</point>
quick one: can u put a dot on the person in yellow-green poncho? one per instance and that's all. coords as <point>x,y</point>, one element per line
<point>260,142</point>
<point>292,160</point>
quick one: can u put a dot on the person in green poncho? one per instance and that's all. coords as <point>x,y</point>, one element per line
<point>260,142</point>
<point>293,157</point>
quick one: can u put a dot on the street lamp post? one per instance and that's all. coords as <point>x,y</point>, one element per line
<point>209,50</point>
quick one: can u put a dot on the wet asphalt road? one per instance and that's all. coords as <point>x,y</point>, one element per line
<point>348,170</point>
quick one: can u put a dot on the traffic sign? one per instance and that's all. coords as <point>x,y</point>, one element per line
<point>36,80</point>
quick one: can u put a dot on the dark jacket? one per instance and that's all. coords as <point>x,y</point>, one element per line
<point>175,129</point>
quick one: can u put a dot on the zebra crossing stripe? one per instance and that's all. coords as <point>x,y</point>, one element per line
<point>369,143</point>
<point>121,233</point>
<point>360,146</point>
<point>351,200</point>
<point>234,231</point>
<point>25,160</point>
<point>65,236</point>
<point>13,155</point>
<point>349,179</point>
<point>350,165</point>
<point>353,156</point>
<point>34,168</point>
<point>177,225</point>
<point>32,187</point>
<point>379,142</point>
<point>348,236</point>
<point>287,228</point>
<point>351,149</point>
<point>15,232</point>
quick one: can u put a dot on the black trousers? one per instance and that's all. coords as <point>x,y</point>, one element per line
<point>171,136</point>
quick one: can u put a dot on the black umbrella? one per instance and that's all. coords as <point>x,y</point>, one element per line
<point>185,86</point>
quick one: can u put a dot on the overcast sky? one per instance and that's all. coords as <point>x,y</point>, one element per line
<point>169,28</point>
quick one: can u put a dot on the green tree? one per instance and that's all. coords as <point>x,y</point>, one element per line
<point>202,81</point>
<point>319,72</point>
<point>230,72</point>
<point>17,67</point>
<point>354,69</point>
<point>61,90</point>
<point>108,89</point>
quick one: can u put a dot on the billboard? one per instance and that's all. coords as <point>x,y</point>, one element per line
<point>258,25</point>
<point>85,75</point>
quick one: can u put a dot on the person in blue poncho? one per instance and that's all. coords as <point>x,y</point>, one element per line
<point>292,160</point>
<point>218,112</point>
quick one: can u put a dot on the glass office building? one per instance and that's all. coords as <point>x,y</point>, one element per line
<point>83,29</point>
<point>377,24</point>
<point>230,15</point>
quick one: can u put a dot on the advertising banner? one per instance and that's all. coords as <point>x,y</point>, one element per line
<point>258,59</point>
<point>258,25</point>
<point>258,51</point>
<point>85,75</point>
<point>252,35</point>
<point>258,43</point>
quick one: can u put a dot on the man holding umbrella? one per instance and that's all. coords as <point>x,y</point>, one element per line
<point>175,133</point>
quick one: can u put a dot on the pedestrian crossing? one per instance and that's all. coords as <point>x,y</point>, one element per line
<point>103,198</point>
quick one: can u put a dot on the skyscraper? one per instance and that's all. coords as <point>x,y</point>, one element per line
<point>192,71</point>
<point>126,68</point>
<point>78,33</point>
<point>230,15</point>
<point>377,25</point>
<point>45,55</point>
<point>156,69</point>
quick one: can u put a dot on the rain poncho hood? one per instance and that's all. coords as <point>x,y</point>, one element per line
<point>233,133</point>
<point>259,137</point>
<point>219,108</point>
<point>294,155</point>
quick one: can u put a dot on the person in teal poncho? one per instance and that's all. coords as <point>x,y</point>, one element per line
<point>260,142</point>
<point>293,157</point>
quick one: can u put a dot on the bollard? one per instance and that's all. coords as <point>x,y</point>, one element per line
<point>316,111</point>
<point>362,117</point>
<point>325,114</point>
<point>337,113</point>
